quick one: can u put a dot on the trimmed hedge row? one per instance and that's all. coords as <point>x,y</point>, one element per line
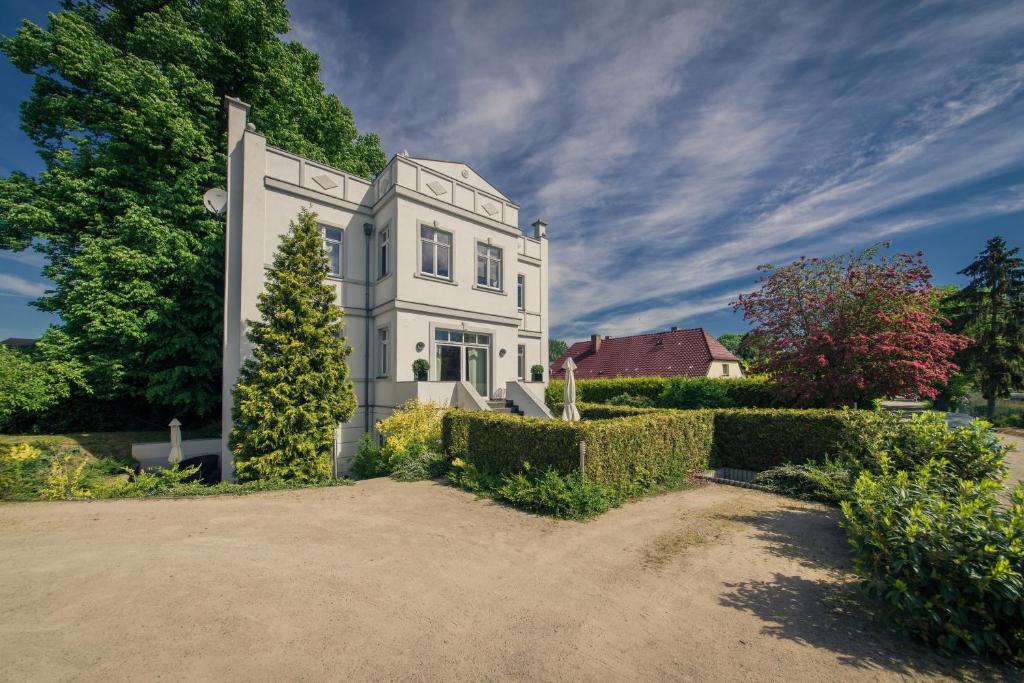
<point>671,392</point>
<point>630,455</point>
<point>633,450</point>
<point>759,439</point>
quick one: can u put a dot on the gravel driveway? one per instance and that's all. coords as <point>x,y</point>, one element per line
<point>389,581</point>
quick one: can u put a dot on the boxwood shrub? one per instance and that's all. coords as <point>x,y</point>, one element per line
<point>671,392</point>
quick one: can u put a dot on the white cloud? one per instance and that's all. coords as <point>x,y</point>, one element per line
<point>12,285</point>
<point>671,150</point>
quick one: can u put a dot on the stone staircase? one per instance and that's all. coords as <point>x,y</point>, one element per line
<point>504,405</point>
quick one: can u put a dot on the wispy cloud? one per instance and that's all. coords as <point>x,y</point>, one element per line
<point>674,148</point>
<point>12,285</point>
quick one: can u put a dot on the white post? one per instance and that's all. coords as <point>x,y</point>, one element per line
<point>583,457</point>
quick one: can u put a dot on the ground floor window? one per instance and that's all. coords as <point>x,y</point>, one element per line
<point>522,363</point>
<point>463,356</point>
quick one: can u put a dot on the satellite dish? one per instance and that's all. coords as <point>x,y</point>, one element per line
<point>215,200</point>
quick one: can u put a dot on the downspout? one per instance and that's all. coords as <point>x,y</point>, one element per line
<point>367,231</point>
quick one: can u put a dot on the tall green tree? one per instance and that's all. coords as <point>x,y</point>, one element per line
<point>990,310</point>
<point>294,390</point>
<point>556,347</point>
<point>126,112</point>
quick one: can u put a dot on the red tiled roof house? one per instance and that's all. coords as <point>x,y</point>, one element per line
<point>675,353</point>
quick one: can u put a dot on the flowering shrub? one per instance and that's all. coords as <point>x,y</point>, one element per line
<point>942,555</point>
<point>413,426</point>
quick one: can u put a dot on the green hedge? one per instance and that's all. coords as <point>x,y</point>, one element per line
<point>757,439</point>
<point>671,392</point>
<point>630,455</point>
<point>632,449</point>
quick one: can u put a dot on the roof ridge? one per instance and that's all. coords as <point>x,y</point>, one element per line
<point>647,334</point>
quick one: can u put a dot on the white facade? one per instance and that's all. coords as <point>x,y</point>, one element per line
<point>429,259</point>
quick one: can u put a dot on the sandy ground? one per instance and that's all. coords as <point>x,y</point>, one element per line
<point>389,581</point>
<point>1015,458</point>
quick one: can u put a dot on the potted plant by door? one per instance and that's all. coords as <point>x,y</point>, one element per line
<point>420,368</point>
<point>537,373</point>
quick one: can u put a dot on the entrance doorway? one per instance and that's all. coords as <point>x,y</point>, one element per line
<point>464,356</point>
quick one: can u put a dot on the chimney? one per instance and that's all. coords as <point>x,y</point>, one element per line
<point>540,229</point>
<point>595,342</point>
<point>674,328</point>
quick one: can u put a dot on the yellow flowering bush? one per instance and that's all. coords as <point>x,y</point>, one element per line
<point>413,427</point>
<point>21,452</point>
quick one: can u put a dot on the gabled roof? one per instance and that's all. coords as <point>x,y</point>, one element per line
<point>686,353</point>
<point>464,173</point>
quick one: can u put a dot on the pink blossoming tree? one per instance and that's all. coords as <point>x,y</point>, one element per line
<point>848,329</point>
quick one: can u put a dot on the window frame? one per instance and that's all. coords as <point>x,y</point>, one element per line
<point>521,291</point>
<point>725,370</point>
<point>489,260</point>
<point>436,245</point>
<point>383,351</point>
<point>384,252</point>
<point>324,241</point>
<point>521,362</point>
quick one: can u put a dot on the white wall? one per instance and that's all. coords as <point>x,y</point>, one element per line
<point>268,187</point>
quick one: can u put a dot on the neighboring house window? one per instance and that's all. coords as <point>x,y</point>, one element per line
<point>488,266</point>
<point>384,248</point>
<point>332,245</point>
<point>435,252</point>
<point>522,362</point>
<point>521,292</point>
<point>725,369</point>
<point>383,343</point>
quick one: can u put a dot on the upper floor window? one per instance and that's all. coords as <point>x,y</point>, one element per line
<point>488,266</point>
<point>384,249</point>
<point>521,292</point>
<point>725,369</point>
<point>435,252</point>
<point>332,245</point>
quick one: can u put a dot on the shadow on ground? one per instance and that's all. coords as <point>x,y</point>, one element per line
<point>831,613</point>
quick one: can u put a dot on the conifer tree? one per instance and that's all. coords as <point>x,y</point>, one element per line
<point>990,310</point>
<point>295,389</point>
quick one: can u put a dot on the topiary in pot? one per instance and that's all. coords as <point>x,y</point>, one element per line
<point>420,368</point>
<point>537,372</point>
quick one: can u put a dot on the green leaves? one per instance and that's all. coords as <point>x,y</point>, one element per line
<point>126,112</point>
<point>942,555</point>
<point>294,390</point>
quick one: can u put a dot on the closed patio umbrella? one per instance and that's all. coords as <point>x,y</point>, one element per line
<point>175,455</point>
<point>569,412</point>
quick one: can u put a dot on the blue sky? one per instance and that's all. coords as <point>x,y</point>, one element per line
<point>673,146</point>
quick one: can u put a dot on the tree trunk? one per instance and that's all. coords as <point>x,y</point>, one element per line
<point>990,406</point>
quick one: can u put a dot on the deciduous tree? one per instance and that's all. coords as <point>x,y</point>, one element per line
<point>126,114</point>
<point>848,329</point>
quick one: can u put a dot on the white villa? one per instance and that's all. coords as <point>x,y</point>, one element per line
<point>428,261</point>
